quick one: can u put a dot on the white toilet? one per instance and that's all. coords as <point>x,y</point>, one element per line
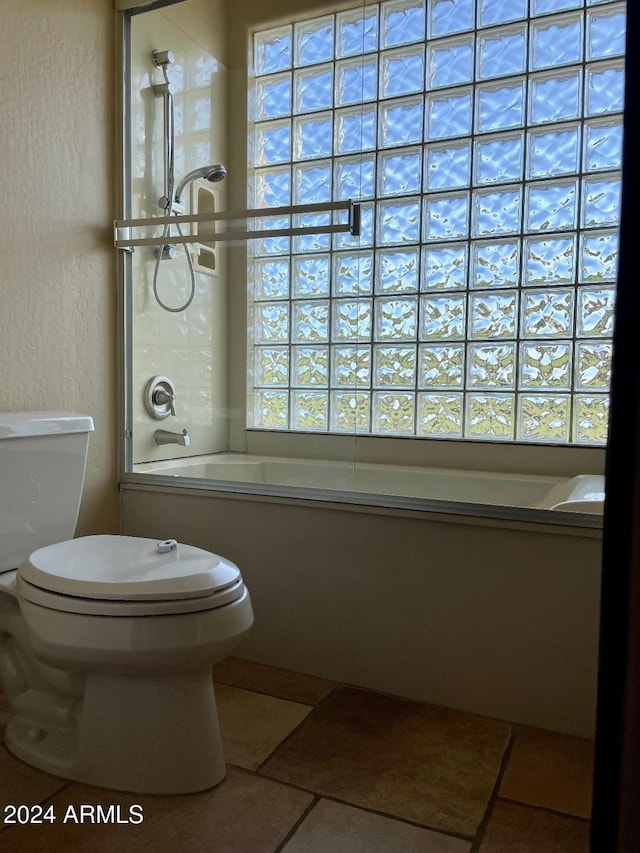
<point>106,642</point>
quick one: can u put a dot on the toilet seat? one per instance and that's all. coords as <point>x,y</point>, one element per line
<point>126,575</point>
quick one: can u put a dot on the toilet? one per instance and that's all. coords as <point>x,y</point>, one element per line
<point>106,642</point>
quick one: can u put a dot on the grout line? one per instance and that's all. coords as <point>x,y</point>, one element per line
<point>65,784</point>
<point>482,826</point>
<point>258,769</point>
<point>267,693</point>
<point>298,823</point>
<point>546,809</point>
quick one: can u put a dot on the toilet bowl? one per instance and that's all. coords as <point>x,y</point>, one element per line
<point>106,650</point>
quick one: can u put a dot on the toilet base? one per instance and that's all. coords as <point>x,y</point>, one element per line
<point>143,734</point>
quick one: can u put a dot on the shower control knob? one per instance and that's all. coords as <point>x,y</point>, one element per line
<point>159,397</point>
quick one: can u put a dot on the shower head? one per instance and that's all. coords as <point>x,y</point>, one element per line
<point>210,173</point>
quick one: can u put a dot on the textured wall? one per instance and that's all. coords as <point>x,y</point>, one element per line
<point>57,271</point>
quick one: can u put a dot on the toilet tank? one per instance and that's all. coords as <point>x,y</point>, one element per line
<point>43,457</point>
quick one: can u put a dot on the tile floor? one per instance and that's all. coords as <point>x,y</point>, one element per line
<point>319,767</point>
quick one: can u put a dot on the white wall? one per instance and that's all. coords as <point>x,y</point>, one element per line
<point>498,618</point>
<point>189,347</point>
<point>57,275</point>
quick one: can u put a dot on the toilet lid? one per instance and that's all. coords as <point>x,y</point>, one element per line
<point>127,568</point>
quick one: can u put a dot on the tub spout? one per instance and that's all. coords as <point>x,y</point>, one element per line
<point>163,436</point>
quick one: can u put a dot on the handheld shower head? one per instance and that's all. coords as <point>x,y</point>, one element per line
<point>210,173</point>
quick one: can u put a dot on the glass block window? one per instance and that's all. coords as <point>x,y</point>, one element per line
<point>483,139</point>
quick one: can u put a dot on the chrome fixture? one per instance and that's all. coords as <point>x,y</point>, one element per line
<point>159,397</point>
<point>161,59</point>
<point>210,173</point>
<point>163,436</point>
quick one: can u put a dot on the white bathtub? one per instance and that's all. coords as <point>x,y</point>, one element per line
<point>583,493</point>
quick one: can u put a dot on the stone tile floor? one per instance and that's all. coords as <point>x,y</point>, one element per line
<point>319,767</point>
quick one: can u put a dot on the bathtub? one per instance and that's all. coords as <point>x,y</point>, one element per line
<point>426,488</point>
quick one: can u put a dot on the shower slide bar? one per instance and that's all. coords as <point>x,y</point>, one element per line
<point>352,226</point>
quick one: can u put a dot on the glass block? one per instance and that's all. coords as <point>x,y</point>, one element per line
<point>553,152</point>
<point>398,222</point>
<point>450,62</point>
<point>356,31</point>
<point>499,106</point>
<point>312,182</point>
<point>352,273</point>
<point>346,241</point>
<point>393,413</point>
<point>401,22</point>
<point>550,207</point>
<point>602,145</point>
<point>310,366</point>
<point>495,264</point>
<point>554,97</point>
<point>273,96</point>
<point>312,136</point>
<point>306,243</point>
<point>314,41</point>
<point>598,257</point>
<point>352,320</point>
<point>311,276</point>
<point>448,114</point>
<point>604,90</point>
<point>593,365</point>
<point>489,416</point>
<point>543,7</point>
<point>549,260</point>
<point>544,417</point>
<point>595,311</point>
<point>546,365</point>
<point>272,50</point>
<point>493,314</point>
<point>447,166</point>
<point>496,212</point>
<point>271,279</point>
<point>355,130</point>
<point>401,121</point>
<point>350,411</point>
<point>500,11</point>
<point>498,160</point>
<point>271,409</point>
<point>447,18</point>
<point>197,113</point>
<point>356,80</point>
<point>310,410</point>
<point>273,143</point>
<point>444,267</point>
<point>351,366</point>
<point>272,245</point>
<point>397,270</point>
<point>502,52</point>
<point>313,89</point>
<point>606,30</point>
<point>400,172</point>
<point>442,317</point>
<point>440,415</point>
<point>394,366</point>
<point>354,178</point>
<point>272,366</point>
<point>547,313</point>
<point>446,217</point>
<point>272,323</point>
<point>396,319</point>
<point>600,202</point>
<point>591,419</point>
<point>310,322</point>
<point>491,365</point>
<point>441,365</point>
<point>401,71</point>
<point>273,187</point>
<point>555,42</point>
